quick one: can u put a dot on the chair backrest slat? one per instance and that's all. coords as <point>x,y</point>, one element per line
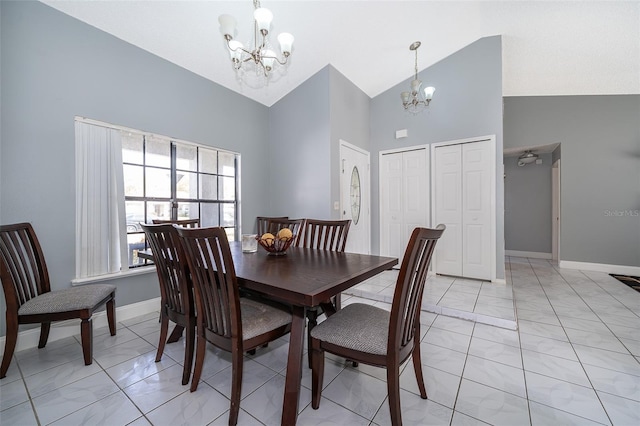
<point>171,265</point>
<point>407,298</point>
<point>23,270</point>
<point>328,235</point>
<point>214,280</point>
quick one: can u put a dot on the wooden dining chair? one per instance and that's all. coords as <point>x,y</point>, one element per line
<point>176,291</point>
<point>295,225</point>
<point>328,235</point>
<point>377,337</point>
<point>224,319</point>
<point>29,299</point>
<point>325,234</point>
<point>262,223</point>
<point>188,223</point>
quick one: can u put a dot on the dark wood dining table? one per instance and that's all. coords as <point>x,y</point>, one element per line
<point>303,278</point>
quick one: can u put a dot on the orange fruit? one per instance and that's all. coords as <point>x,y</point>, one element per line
<point>268,238</point>
<point>285,234</point>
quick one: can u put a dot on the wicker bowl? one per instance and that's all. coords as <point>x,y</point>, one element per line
<point>275,246</point>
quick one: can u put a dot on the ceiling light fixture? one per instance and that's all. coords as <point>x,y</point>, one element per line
<point>258,59</point>
<point>527,157</point>
<point>417,100</point>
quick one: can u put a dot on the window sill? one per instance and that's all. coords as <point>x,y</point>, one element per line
<point>115,276</point>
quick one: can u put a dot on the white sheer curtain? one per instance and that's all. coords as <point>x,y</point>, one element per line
<point>101,245</point>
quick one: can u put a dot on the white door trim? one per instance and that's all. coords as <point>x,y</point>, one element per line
<point>405,149</point>
<point>492,143</point>
<point>555,211</point>
<point>365,208</point>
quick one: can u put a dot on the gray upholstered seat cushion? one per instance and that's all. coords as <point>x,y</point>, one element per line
<point>361,327</point>
<point>259,318</point>
<point>70,299</point>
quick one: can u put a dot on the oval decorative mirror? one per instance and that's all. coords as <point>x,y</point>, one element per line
<point>355,195</point>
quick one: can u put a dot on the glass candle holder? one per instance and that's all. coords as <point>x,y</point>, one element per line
<point>249,243</point>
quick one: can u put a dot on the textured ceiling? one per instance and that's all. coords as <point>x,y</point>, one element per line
<point>549,47</point>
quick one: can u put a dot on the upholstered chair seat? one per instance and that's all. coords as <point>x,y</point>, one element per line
<point>72,299</point>
<point>358,326</point>
<point>259,318</point>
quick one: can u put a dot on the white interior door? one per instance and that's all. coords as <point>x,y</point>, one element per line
<point>404,198</point>
<point>391,204</point>
<point>355,194</point>
<point>415,193</point>
<point>448,208</point>
<point>463,174</point>
<point>476,210</point>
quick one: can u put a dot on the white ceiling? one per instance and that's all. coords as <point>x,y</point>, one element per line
<point>549,47</point>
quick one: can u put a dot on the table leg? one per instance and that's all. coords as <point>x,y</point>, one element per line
<point>294,367</point>
<point>176,334</point>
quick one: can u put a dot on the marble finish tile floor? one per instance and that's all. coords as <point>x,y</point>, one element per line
<point>474,300</point>
<point>574,360</point>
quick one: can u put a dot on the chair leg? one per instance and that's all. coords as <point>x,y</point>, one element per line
<point>86,335</point>
<point>111,315</point>
<point>393,388</point>
<point>236,386</point>
<point>188,353</point>
<point>201,347</point>
<point>317,372</point>
<point>417,366</point>
<point>44,334</point>
<point>312,317</point>
<point>164,328</point>
<point>9,346</point>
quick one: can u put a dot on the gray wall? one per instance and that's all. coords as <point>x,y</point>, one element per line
<point>306,127</point>
<point>299,151</point>
<point>55,67</point>
<point>349,116</point>
<point>467,103</point>
<point>600,169</point>
<point>527,202</point>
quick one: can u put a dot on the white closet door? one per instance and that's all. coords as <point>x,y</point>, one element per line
<point>404,198</point>
<point>391,184</point>
<point>476,210</point>
<point>415,194</point>
<point>448,208</point>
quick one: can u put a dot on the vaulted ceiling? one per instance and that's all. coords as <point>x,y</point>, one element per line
<point>549,47</point>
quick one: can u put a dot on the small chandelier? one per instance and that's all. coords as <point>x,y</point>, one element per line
<point>258,57</point>
<point>416,100</point>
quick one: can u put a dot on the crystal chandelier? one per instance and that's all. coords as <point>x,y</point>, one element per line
<point>256,60</point>
<point>417,100</point>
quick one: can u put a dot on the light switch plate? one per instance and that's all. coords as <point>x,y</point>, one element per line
<point>401,133</point>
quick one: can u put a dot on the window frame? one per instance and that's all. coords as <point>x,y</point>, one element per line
<point>174,200</point>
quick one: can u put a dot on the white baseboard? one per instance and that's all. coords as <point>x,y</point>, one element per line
<point>600,267</point>
<point>531,254</point>
<point>59,330</point>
